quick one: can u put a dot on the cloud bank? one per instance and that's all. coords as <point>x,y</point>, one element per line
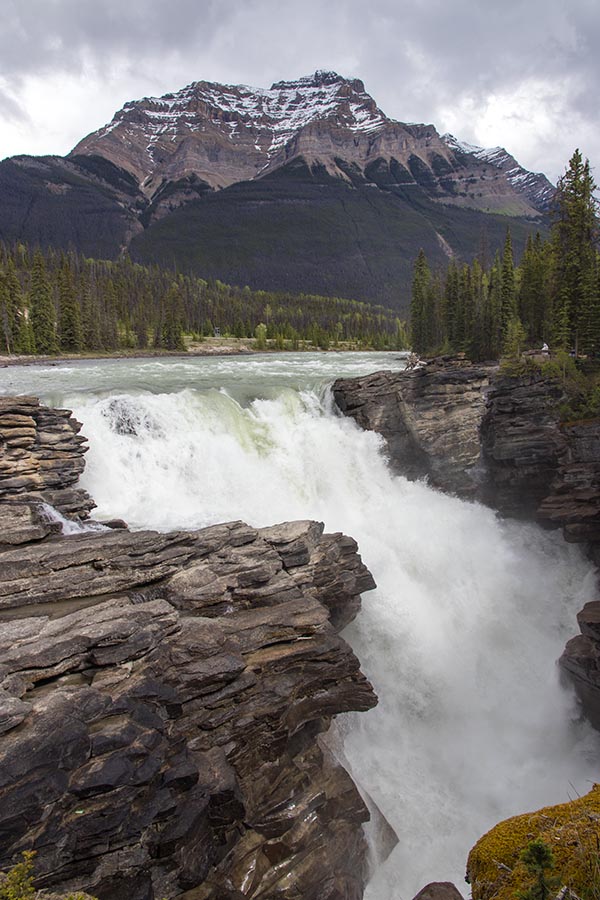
<point>520,75</point>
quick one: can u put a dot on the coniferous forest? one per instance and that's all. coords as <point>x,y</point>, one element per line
<point>62,302</point>
<point>54,302</point>
<point>493,308</point>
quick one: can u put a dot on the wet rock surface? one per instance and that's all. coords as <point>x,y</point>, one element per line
<point>439,890</point>
<point>162,697</point>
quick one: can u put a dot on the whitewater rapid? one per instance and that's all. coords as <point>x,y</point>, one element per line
<point>459,639</point>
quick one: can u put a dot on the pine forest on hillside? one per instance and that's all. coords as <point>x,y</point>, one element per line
<point>53,302</point>
<point>552,297</point>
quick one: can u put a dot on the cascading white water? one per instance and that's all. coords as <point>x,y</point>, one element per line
<point>459,639</point>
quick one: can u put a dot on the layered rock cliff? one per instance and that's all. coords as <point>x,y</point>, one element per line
<point>429,417</point>
<point>162,695</point>
<point>475,432</point>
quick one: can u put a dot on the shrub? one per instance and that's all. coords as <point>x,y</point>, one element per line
<point>17,883</point>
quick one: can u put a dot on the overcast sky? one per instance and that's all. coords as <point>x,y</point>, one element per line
<point>520,73</point>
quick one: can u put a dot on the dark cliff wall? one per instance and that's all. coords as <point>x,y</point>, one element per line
<point>162,695</point>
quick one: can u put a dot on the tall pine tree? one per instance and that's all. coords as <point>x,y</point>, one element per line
<point>420,325</point>
<point>41,308</point>
<point>574,238</point>
<point>508,291</point>
<point>70,328</point>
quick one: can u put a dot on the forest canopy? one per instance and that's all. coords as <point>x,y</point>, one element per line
<point>56,302</point>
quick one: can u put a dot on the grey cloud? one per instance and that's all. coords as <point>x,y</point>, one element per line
<point>417,58</point>
<point>11,110</point>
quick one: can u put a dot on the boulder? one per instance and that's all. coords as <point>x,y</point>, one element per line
<point>570,830</point>
<point>439,890</point>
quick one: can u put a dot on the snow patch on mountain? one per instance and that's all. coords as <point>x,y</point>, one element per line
<point>534,184</point>
<point>274,114</point>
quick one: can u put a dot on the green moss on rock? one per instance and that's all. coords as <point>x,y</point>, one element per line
<point>571,830</point>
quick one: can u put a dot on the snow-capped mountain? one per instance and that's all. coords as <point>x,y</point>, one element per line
<point>227,133</point>
<point>223,134</point>
<point>307,186</point>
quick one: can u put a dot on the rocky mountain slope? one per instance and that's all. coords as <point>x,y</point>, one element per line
<point>233,182</point>
<point>162,696</point>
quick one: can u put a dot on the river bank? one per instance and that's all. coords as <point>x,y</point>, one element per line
<point>208,347</point>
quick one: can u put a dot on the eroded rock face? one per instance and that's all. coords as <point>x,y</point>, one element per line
<point>574,497</point>
<point>162,696</point>
<point>439,890</point>
<point>581,661</point>
<point>429,417</point>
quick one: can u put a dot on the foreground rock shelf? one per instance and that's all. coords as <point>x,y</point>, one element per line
<point>162,695</point>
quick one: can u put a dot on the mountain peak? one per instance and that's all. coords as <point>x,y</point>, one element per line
<point>220,134</point>
<point>321,78</point>
<point>183,131</point>
<point>533,185</point>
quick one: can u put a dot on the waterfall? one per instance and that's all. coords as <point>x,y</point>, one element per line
<point>460,639</point>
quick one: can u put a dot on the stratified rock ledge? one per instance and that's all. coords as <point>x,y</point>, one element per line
<point>162,695</point>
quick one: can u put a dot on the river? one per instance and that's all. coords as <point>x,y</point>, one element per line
<point>459,639</point>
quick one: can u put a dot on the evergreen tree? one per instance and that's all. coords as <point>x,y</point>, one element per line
<point>420,327</point>
<point>70,328</point>
<point>41,308</point>
<point>574,237</point>
<point>477,343</point>
<point>172,336</point>
<point>452,313</point>
<point>467,308</point>
<point>534,302</point>
<point>11,302</point>
<point>508,293</point>
<point>26,338</point>
<point>8,318</point>
<point>514,339</point>
<point>539,862</point>
<point>90,318</point>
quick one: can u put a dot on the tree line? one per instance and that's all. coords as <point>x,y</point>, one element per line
<point>62,302</point>
<point>552,297</point>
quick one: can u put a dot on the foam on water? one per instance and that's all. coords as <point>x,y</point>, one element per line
<point>460,638</point>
